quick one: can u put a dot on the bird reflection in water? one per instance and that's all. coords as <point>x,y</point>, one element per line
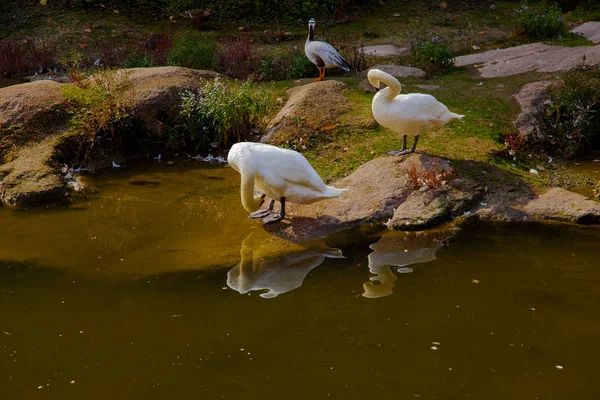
<point>401,249</point>
<point>275,265</point>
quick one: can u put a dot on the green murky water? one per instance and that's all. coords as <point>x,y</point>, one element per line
<point>158,287</point>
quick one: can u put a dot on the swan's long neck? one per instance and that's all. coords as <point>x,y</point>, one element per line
<point>249,201</point>
<point>393,84</point>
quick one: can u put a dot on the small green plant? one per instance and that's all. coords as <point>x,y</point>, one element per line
<point>101,105</point>
<point>223,111</point>
<point>193,50</point>
<point>573,112</point>
<point>546,24</point>
<point>292,65</point>
<point>433,55</point>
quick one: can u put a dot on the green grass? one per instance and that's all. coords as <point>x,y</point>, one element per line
<point>488,109</point>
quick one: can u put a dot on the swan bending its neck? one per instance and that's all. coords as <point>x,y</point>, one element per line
<point>377,76</point>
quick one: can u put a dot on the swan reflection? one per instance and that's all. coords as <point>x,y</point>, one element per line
<point>275,265</point>
<point>401,249</point>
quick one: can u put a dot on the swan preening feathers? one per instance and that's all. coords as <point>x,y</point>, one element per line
<point>279,174</point>
<point>322,54</point>
<point>408,114</point>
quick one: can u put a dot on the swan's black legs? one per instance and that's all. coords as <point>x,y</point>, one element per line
<point>263,213</point>
<point>404,151</point>
<point>272,218</point>
<point>412,149</point>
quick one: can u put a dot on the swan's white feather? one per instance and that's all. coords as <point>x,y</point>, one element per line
<point>280,173</point>
<point>407,114</point>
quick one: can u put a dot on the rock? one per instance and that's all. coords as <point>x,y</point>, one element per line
<point>29,179</point>
<point>561,205</point>
<point>399,71</point>
<point>384,51</point>
<point>158,90</point>
<point>309,109</point>
<point>375,189</point>
<point>589,30</point>
<point>423,209</point>
<point>378,191</point>
<point>35,112</point>
<point>367,87</point>
<point>429,87</point>
<point>529,58</point>
<point>37,105</point>
<point>531,98</point>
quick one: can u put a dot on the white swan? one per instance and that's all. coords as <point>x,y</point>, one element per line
<point>409,114</point>
<point>322,54</point>
<point>280,174</point>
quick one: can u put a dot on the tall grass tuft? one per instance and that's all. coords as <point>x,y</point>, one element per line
<point>431,54</point>
<point>101,105</point>
<point>573,112</point>
<point>223,111</point>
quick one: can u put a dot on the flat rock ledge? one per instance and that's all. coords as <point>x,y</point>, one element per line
<point>380,194</point>
<point>384,51</point>
<point>589,30</point>
<point>531,98</point>
<point>538,57</point>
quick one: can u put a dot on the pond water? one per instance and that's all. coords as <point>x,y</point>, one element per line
<point>159,287</point>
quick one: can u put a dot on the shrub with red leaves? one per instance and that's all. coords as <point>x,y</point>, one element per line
<point>237,58</point>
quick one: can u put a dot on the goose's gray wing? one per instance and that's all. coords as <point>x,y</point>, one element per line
<point>327,54</point>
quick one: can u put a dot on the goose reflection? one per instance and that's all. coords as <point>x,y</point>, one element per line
<point>275,265</point>
<point>401,249</point>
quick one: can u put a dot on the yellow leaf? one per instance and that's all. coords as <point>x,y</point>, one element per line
<point>328,128</point>
<point>443,5</point>
<point>116,11</point>
<point>43,2</point>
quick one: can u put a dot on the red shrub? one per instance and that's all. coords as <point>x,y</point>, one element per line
<point>156,48</point>
<point>237,58</point>
<point>13,58</point>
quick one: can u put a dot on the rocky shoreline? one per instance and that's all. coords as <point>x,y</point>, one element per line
<point>380,192</point>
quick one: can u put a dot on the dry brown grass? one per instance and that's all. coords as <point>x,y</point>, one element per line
<point>431,178</point>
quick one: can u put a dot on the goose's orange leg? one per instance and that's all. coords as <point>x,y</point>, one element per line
<point>321,74</point>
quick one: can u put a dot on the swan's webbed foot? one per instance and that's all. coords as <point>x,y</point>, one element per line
<point>272,218</point>
<point>400,152</point>
<point>259,214</point>
<point>263,213</point>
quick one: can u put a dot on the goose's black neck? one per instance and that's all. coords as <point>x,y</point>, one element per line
<point>311,33</point>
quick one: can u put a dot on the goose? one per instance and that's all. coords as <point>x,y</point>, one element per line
<point>409,114</point>
<point>322,54</point>
<point>279,174</point>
